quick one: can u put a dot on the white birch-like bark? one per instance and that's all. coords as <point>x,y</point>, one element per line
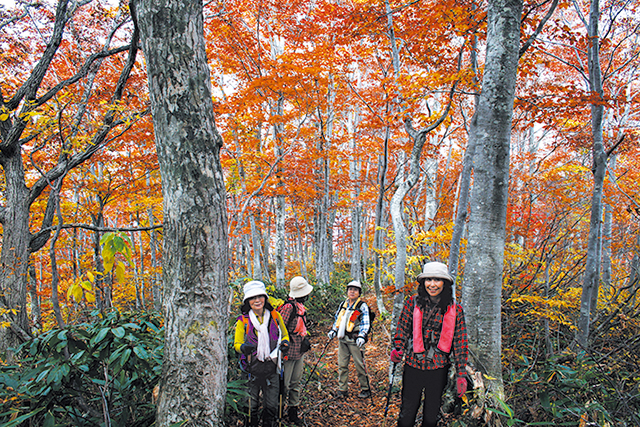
<point>591,279</point>
<point>482,285</point>
<point>356,207</point>
<point>464,182</point>
<point>195,253</point>
<point>323,216</point>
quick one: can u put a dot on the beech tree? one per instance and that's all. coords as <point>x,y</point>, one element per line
<point>482,285</point>
<point>195,261</point>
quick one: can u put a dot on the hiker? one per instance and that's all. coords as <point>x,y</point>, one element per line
<point>351,326</point>
<point>432,331</point>
<point>294,315</point>
<point>260,337</point>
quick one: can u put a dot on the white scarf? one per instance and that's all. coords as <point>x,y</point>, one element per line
<point>262,331</point>
<point>343,321</point>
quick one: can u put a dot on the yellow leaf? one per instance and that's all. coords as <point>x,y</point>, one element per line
<point>120,272</point>
<point>108,264</point>
<point>3,117</point>
<point>90,297</point>
<point>86,285</point>
<point>91,276</point>
<point>77,293</point>
<point>70,291</point>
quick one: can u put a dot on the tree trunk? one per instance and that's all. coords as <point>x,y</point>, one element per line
<point>356,207</point>
<point>377,231</point>
<point>195,263</point>
<point>14,259</point>
<point>464,186</point>
<point>608,235</point>
<point>36,313</point>
<point>155,282</point>
<point>481,289</point>
<point>599,157</point>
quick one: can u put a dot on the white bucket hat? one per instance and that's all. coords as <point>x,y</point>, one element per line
<point>355,284</point>
<point>437,270</point>
<point>254,288</point>
<point>299,287</point>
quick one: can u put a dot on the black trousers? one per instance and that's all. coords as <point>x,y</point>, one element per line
<point>414,383</point>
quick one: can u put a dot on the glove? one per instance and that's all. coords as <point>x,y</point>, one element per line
<point>360,342</point>
<point>332,334</point>
<point>461,386</point>
<point>284,347</point>
<point>247,348</point>
<point>396,355</point>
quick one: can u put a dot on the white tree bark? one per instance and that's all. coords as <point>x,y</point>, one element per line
<point>481,290</point>
<point>195,262</point>
<point>592,269</point>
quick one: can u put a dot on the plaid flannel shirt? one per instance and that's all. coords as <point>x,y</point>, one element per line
<point>432,323</point>
<point>295,340</point>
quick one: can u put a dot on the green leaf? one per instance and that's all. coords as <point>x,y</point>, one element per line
<point>107,237</point>
<point>125,357</point>
<point>118,332</point>
<point>22,418</point>
<point>101,335</point>
<point>141,352</point>
<point>49,420</point>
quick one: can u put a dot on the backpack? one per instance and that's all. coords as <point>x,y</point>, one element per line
<point>290,325</point>
<point>294,314</point>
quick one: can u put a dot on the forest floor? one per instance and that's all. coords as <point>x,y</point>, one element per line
<point>320,408</point>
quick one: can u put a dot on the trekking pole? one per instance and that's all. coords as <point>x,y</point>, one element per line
<point>249,374</point>
<point>316,365</point>
<point>366,372</point>
<point>280,388</point>
<point>386,408</point>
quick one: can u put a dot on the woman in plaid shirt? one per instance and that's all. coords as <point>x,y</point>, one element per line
<point>432,331</point>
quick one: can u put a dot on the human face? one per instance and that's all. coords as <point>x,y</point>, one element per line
<point>434,287</point>
<point>353,293</point>
<point>257,303</point>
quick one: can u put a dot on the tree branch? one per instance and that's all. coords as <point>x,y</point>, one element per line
<point>538,30</point>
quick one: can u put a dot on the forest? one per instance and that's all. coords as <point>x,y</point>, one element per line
<point>157,155</point>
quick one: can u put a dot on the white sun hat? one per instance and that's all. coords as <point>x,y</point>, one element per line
<point>254,288</point>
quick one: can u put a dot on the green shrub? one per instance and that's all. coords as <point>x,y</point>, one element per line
<point>86,374</point>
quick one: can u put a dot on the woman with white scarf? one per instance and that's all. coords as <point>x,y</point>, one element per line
<point>260,337</point>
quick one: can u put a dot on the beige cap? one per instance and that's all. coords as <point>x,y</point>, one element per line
<point>355,284</point>
<point>299,287</point>
<point>437,270</point>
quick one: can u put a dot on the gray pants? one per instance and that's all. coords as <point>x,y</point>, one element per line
<point>270,387</point>
<point>347,348</point>
<point>293,370</point>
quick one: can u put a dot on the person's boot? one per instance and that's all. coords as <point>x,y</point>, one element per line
<point>293,415</point>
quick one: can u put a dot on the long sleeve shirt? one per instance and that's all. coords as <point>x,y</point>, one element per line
<point>240,330</point>
<point>431,329</point>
